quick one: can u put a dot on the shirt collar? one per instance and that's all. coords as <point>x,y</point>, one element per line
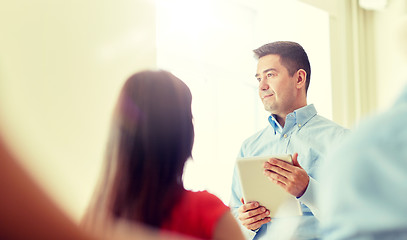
<point>276,126</point>
<point>301,117</point>
<point>304,114</point>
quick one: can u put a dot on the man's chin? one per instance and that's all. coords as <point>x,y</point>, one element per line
<point>269,109</point>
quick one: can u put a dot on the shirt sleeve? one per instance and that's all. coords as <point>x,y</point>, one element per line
<point>309,197</point>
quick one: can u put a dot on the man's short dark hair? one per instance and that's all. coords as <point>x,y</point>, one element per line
<point>292,56</point>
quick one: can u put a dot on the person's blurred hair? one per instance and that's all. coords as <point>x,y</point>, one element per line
<point>151,138</point>
<point>292,56</point>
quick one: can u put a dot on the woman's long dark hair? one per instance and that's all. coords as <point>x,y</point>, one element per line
<point>151,139</point>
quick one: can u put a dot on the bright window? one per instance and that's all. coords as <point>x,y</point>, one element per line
<point>209,44</point>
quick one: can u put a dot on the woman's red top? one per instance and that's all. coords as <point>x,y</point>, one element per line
<point>196,214</point>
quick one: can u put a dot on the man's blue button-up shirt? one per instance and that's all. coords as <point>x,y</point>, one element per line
<point>311,136</point>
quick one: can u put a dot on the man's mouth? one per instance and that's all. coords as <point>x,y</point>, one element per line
<point>267,96</point>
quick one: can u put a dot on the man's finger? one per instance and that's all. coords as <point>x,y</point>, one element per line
<point>258,224</point>
<point>280,163</point>
<point>275,177</point>
<point>273,168</point>
<point>248,206</point>
<point>295,160</point>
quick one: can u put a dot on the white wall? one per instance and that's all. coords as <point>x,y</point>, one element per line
<point>209,47</point>
<point>61,66</point>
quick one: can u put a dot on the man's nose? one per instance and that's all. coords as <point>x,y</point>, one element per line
<point>263,85</point>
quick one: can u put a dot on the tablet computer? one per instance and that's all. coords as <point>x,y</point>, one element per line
<point>257,187</point>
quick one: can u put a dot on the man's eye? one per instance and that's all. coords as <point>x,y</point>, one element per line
<point>270,75</point>
<point>258,79</point>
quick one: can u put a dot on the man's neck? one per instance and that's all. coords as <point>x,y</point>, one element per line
<point>281,119</point>
<point>282,116</point>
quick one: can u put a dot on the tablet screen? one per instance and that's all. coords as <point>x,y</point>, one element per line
<point>257,187</point>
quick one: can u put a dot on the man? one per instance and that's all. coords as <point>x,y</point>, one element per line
<point>283,73</point>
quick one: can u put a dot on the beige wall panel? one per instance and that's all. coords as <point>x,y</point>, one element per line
<point>62,64</point>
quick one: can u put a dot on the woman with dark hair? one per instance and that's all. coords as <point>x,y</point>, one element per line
<point>151,139</point>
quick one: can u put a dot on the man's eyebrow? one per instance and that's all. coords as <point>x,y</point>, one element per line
<point>267,70</point>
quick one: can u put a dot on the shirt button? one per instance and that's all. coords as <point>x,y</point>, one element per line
<point>285,135</point>
<point>299,125</point>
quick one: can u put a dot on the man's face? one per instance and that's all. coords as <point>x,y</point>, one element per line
<point>277,89</point>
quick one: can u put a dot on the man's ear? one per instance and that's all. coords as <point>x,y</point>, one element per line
<point>301,78</point>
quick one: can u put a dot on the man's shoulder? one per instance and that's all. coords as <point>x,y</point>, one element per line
<point>324,130</point>
<point>322,123</point>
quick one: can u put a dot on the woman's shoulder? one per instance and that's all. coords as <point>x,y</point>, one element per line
<point>202,198</point>
<point>196,214</point>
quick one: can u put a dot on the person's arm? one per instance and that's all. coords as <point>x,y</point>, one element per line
<point>228,228</point>
<point>26,211</point>
<point>309,197</point>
